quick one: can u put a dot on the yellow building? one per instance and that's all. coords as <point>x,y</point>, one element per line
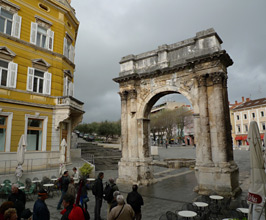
<point>37,49</point>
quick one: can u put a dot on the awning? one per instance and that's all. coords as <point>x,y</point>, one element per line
<point>262,136</point>
<point>244,137</point>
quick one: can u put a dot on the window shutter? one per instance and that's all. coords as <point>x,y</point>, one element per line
<point>65,47</point>
<point>50,40</point>
<point>12,75</point>
<point>65,86</point>
<point>33,33</point>
<point>47,83</point>
<point>16,26</point>
<point>71,55</point>
<point>71,89</point>
<point>30,79</point>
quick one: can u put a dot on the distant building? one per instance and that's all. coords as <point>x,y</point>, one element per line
<point>37,49</point>
<point>243,114</point>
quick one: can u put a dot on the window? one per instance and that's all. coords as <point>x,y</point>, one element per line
<point>68,87</point>
<point>245,116</point>
<point>42,36</point>
<point>253,115</point>
<point>246,128</point>
<point>262,113</point>
<point>3,129</point>
<point>263,126</point>
<point>39,81</point>
<point>238,129</point>
<point>237,117</point>
<point>34,134</point>
<point>69,50</point>
<point>8,74</point>
<point>10,23</point>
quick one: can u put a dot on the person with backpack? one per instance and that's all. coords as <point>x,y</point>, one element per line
<point>97,191</point>
<point>136,201</point>
<point>72,211</point>
<point>108,192</point>
<point>63,181</point>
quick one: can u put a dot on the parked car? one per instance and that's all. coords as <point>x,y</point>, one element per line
<point>90,138</point>
<point>85,136</point>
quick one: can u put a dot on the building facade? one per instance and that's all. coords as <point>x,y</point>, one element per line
<point>37,49</point>
<point>243,114</point>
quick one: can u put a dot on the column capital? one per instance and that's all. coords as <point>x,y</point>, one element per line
<point>218,78</point>
<point>132,94</point>
<point>123,95</point>
<point>202,80</point>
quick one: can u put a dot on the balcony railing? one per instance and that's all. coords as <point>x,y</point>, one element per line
<point>70,101</point>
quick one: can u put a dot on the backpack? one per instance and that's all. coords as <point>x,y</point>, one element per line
<point>93,189</point>
<point>108,193</point>
<point>85,213</point>
<point>59,183</point>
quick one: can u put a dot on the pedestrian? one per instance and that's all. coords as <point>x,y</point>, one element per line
<point>5,206</point>
<point>71,211</point>
<point>75,175</point>
<point>136,201</point>
<point>71,188</point>
<point>122,211</point>
<point>18,197</point>
<point>64,181</point>
<point>40,210</point>
<point>11,214</point>
<point>97,191</point>
<point>114,202</point>
<point>113,188</point>
<point>82,195</point>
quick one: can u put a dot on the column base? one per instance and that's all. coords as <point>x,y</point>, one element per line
<point>135,172</point>
<point>221,180</point>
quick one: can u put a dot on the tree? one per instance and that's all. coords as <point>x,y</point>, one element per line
<point>169,123</point>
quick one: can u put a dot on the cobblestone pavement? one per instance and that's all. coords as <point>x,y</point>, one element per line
<point>174,188</point>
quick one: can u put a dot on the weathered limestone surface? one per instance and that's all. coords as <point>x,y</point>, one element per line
<point>197,69</point>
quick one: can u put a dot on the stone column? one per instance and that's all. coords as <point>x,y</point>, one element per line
<point>204,154</point>
<point>124,125</point>
<point>219,140</point>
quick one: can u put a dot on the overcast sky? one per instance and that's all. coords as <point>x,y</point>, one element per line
<point>111,29</point>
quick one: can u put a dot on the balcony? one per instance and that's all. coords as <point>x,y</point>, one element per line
<point>69,101</point>
<point>68,108</point>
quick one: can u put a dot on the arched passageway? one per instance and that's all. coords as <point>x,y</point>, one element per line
<point>197,69</point>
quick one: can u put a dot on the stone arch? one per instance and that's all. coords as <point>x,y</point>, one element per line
<point>197,69</point>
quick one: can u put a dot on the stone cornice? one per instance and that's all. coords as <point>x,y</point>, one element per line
<point>220,55</point>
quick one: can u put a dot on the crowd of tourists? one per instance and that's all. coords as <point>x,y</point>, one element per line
<point>74,198</point>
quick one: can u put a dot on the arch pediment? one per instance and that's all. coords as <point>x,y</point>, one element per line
<point>41,62</point>
<point>4,50</point>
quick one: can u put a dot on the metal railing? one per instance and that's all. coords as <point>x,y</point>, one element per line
<point>88,157</point>
<point>29,165</point>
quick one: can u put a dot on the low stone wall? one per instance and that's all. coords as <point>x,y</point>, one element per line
<point>181,162</point>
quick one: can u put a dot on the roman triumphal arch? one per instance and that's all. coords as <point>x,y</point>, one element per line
<point>197,69</point>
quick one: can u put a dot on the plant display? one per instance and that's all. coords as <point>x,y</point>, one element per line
<point>85,170</point>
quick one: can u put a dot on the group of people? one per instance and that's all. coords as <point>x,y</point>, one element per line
<point>74,199</point>
<point>14,208</point>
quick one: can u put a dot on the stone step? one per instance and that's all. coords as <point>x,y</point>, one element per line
<point>104,158</point>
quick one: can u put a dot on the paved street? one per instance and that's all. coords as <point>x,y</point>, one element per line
<point>170,192</point>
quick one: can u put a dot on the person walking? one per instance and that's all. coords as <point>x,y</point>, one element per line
<point>113,188</point>
<point>18,197</point>
<point>82,195</point>
<point>64,186</point>
<point>71,188</point>
<point>97,191</point>
<point>136,201</point>
<point>40,210</point>
<point>122,211</point>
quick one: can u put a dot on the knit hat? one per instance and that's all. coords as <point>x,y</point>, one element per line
<point>42,192</point>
